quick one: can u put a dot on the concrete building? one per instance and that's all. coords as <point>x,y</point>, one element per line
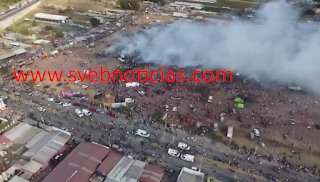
<point>189,175</point>
<point>127,170</point>
<point>50,18</point>
<point>80,164</point>
<point>152,173</point>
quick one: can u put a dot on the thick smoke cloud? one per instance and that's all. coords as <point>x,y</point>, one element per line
<point>275,47</point>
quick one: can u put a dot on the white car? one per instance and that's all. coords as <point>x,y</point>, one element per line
<point>141,92</point>
<point>50,99</point>
<point>196,169</point>
<point>142,133</point>
<point>84,86</point>
<point>86,112</point>
<point>39,85</point>
<point>79,113</point>
<point>41,109</point>
<point>174,109</point>
<point>191,138</point>
<point>77,81</point>
<point>66,104</point>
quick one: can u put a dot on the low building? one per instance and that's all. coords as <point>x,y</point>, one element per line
<point>18,179</point>
<point>80,164</point>
<point>109,163</point>
<point>189,175</point>
<point>152,173</point>
<point>12,136</point>
<point>179,15</point>
<point>44,17</point>
<point>127,170</point>
<point>41,148</point>
<point>188,5</point>
<point>108,99</point>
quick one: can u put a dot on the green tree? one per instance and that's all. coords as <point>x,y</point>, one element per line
<point>59,35</point>
<point>34,23</point>
<point>94,22</point>
<point>129,4</point>
<point>24,31</point>
<point>48,27</point>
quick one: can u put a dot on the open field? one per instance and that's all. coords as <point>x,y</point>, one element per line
<point>83,5</point>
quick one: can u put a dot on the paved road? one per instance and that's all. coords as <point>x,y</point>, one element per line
<point>159,136</point>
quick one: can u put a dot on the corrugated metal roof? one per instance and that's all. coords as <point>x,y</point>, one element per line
<point>109,162</point>
<point>17,131</point>
<point>118,172</point>
<point>6,55</point>
<point>36,138</point>
<point>135,170</point>
<point>189,175</point>
<point>50,16</point>
<point>32,166</point>
<point>80,164</point>
<point>152,173</point>
<point>18,179</point>
<point>47,146</point>
<point>19,51</point>
<point>27,136</point>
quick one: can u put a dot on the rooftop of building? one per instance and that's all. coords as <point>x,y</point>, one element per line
<point>80,164</point>
<point>189,175</point>
<point>109,163</point>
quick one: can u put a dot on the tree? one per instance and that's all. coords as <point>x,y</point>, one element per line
<point>59,34</point>
<point>129,4</point>
<point>48,27</point>
<point>34,23</point>
<point>94,22</point>
<point>24,31</point>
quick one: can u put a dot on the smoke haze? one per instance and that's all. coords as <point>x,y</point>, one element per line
<point>276,48</point>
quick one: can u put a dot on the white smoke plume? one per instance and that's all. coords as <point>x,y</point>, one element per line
<point>277,47</point>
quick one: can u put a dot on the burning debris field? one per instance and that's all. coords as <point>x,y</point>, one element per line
<point>271,60</point>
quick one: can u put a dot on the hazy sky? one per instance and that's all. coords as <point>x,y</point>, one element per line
<point>277,47</point>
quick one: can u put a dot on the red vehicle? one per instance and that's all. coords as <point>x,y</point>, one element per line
<point>41,56</point>
<point>184,121</point>
<point>113,115</point>
<point>92,109</point>
<point>192,123</point>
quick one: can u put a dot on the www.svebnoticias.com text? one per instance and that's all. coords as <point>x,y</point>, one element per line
<point>128,76</point>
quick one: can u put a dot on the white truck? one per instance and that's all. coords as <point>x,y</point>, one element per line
<point>173,153</point>
<point>183,146</point>
<point>187,157</point>
<point>142,133</point>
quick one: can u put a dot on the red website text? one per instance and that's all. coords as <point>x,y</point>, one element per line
<point>117,75</point>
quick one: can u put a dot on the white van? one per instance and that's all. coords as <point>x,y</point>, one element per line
<point>256,132</point>
<point>187,157</point>
<point>173,153</point>
<point>210,99</point>
<point>142,133</point>
<point>183,146</point>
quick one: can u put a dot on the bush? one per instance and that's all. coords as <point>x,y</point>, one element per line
<point>59,35</point>
<point>129,4</point>
<point>48,27</point>
<point>24,31</point>
<point>34,23</point>
<point>94,22</point>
